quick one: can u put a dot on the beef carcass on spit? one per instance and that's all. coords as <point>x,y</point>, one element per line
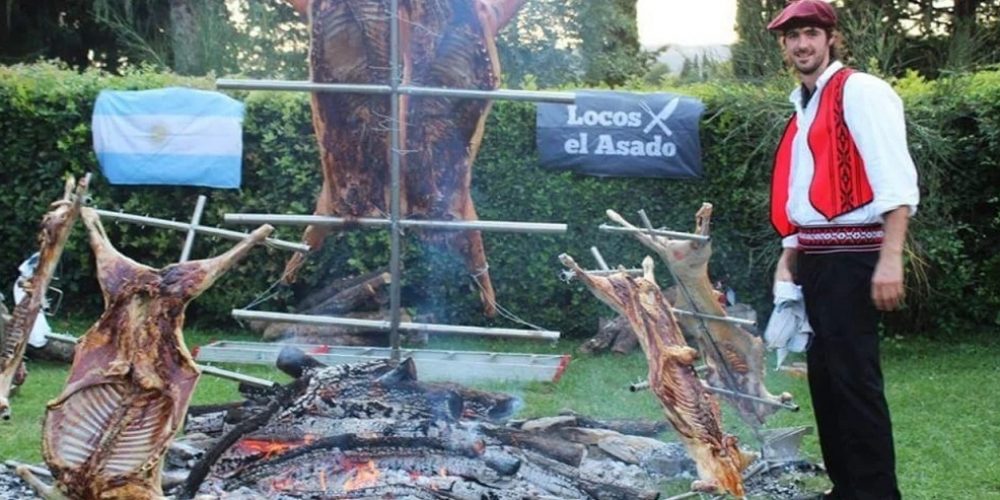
<point>689,406</point>
<point>56,225</point>
<point>443,43</point>
<point>132,376</point>
<point>734,357</point>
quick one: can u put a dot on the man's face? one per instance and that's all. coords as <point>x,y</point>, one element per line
<point>808,48</point>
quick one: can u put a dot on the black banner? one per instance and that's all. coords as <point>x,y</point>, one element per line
<point>622,134</point>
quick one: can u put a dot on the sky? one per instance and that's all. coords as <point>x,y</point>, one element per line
<point>686,22</point>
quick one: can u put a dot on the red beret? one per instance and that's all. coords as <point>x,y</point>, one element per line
<point>805,13</point>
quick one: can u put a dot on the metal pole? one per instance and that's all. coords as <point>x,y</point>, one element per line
<point>657,232</point>
<point>644,384</point>
<point>394,250</point>
<point>354,88</point>
<point>609,272</point>
<point>375,324</point>
<point>210,370</point>
<point>724,319</point>
<point>195,220</point>
<point>239,377</point>
<point>599,258</point>
<point>214,231</point>
<point>740,395</point>
<point>455,225</point>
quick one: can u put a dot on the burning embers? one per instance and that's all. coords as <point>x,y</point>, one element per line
<point>372,430</point>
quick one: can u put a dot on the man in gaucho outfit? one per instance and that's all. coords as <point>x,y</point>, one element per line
<point>843,189</point>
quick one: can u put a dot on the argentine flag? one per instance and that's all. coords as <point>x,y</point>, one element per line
<point>173,136</point>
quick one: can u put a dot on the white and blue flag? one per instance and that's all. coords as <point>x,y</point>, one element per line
<point>173,136</point>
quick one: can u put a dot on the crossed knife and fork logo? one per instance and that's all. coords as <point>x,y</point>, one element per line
<point>659,119</point>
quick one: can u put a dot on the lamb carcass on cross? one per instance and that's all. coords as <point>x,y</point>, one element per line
<point>132,376</point>
<point>734,357</point>
<point>443,43</point>
<point>55,228</point>
<point>690,408</point>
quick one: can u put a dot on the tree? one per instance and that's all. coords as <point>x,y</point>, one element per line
<point>609,42</point>
<point>539,45</point>
<point>53,29</point>
<point>756,54</point>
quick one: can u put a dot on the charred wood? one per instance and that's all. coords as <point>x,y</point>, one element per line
<point>314,299</point>
<point>556,449</point>
<point>613,335</point>
<point>201,469</point>
<point>199,410</point>
<point>632,427</point>
<point>369,294</point>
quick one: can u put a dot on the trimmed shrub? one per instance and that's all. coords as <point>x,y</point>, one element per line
<point>954,127</point>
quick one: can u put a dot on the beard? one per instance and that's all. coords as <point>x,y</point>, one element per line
<point>809,66</point>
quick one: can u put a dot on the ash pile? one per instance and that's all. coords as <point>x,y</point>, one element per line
<point>373,430</point>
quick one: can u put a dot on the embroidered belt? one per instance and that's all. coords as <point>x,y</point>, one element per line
<point>860,238</point>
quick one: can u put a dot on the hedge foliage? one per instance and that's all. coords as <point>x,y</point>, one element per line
<point>954,127</point>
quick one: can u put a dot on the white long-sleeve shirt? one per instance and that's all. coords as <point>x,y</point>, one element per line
<point>874,115</point>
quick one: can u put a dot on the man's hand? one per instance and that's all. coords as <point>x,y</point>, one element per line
<point>887,283</point>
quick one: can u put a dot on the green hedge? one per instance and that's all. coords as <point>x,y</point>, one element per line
<point>954,126</point>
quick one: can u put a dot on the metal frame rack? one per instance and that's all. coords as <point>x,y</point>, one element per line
<point>396,90</point>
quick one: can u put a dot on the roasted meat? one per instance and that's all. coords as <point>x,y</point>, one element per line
<point>443,43</point>
<point>734,357</point>
<point>56,226</point>
<point>132,376</point>
<point>690,407</point>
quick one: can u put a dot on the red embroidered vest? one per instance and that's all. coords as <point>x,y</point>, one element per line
<point>839,184</point>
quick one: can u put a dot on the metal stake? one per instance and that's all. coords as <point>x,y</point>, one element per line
<point>214,231</point>
<point>724,319</point>
<point>310,319</point>
<point>394,285</point>
<point>644,384</point>
<point>451,225</point>
<point>195,220</point>
<point>599,258</point>
<point>370,89</point>
<point>657,232</point>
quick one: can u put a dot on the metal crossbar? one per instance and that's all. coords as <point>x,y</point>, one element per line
<point>312,319</point>
<point>453,225</point>
<point>395,90</point>
<point>183,226</point>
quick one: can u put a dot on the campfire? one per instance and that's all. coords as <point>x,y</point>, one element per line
<point>373,430</point>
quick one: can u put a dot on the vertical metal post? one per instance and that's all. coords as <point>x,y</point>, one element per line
<point>195,220</point>
<point>394,250</point>
<point>599,258</point>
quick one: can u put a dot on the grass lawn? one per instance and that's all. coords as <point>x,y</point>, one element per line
<point>943,397</point>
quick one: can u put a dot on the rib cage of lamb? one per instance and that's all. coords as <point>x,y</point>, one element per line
<point>735,358</point>
<point>55,229</point>
<point>132,376</point>
<point>690,408</point>
<point>443,43</point>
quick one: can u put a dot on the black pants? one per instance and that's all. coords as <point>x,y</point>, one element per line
<point>845,376</point>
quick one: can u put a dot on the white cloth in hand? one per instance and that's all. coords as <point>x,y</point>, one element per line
<point>788,328</point>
